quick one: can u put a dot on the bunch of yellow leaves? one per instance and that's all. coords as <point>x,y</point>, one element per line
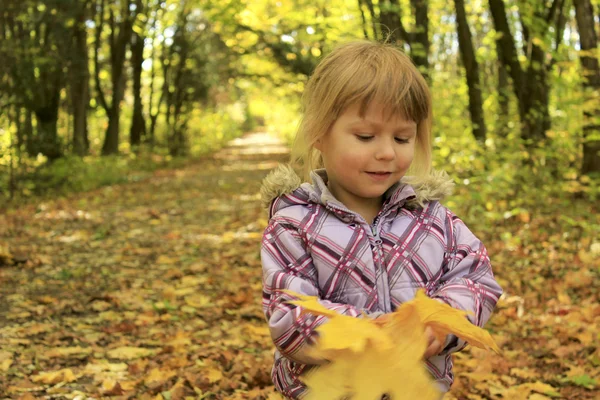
<point>369,359</point>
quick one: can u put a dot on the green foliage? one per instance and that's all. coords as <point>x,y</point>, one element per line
<point>583,380</point>
<point>209,131</point>
<point>233,66</point>
<point>74,174</point>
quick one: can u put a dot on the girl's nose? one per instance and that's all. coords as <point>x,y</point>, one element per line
<point>385,151</point>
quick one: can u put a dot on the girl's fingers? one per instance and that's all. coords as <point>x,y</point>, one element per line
<point>434,348</point>
<point>429,335</point>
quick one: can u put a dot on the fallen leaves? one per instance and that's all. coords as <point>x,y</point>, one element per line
<point>368,360</point>
<point>6,360</point>
<point>129,353</point>
<point>50,378</point>
<point>68,352</point>
<point>83,276</point>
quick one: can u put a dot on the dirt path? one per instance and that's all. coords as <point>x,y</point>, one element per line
<point>142,289</point>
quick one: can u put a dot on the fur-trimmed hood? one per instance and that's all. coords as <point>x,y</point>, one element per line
<point>284,184</point>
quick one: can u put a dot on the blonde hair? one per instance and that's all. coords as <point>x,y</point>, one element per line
<point>363,71</point>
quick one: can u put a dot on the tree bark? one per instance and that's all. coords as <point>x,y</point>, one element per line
<point>471,65</point>
<point>371,8</point>
<point>154,110</point>
<point>419,49</point>
<point>503,101</point>
<point>177,98</point>
<point>118,47</point>
<point>391,24</point>
<point>138,124</point>
<point>80,86</point>
<point>531,87</point>
<point>392,28</point>
<point>588,40</point>
<point>507,52</point>
<point>363,19</point>
<point>48,142</point>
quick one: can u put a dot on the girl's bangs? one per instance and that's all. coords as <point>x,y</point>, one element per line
<point>398,90</point>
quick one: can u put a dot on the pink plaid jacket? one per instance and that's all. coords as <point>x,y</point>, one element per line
<point>315,246</point>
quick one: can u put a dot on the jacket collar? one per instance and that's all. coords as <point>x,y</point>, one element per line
<point>394,196</point>
<point>283,188</point>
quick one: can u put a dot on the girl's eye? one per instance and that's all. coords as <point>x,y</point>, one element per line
<point>401,140</point>
<point>364,138</point>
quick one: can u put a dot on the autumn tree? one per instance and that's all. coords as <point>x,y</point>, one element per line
<point>588,40</point>
<point>79,75</point>
<point>33,53</point>
<point>138,36</point>
<point>471,66</point>
<point>386,22</point>
<point>114,20</point>
<point>194,61</point>
<point>530,80</point>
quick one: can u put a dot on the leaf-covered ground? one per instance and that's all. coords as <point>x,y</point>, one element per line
<point>152,290</point>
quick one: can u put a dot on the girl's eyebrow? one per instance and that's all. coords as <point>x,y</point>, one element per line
<point>375,124</point>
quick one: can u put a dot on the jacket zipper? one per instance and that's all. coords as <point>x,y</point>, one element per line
<point>375,233</point>
<point>377,248</point>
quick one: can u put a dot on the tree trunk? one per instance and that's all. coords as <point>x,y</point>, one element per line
<point>390,19</point>
<point>118,47</point>
<point>138,124</point>
<point>363,19</point>
<point>472,71</point>
<point>503,110</point>
<point>507,53</point>
<point>588,39</point>
<point>111,139</point>
<point>80,89</point>
<point>153,115</point>
<point>419,48</point>
<point>391,24</point>
<point>536,98</point>
<point>48,142</point>
<point>531,88</point>
<point>371,8</point>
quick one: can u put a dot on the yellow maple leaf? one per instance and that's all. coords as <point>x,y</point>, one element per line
<point>444,319</point>
<point>368,359</point>
<point>341,332</point>
<point>375,370</point>
<point>310,303</point>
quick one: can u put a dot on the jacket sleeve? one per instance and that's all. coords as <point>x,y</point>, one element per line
<point>467,282</point>
<point>287,265</point>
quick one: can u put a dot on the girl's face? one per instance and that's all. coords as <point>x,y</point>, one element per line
<point>364,157</point>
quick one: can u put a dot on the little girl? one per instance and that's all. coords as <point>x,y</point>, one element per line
<point>364,237</point>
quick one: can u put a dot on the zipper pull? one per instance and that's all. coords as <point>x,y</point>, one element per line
<point>376,234</point>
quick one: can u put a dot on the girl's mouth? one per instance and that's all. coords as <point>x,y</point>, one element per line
<point>379,176</point>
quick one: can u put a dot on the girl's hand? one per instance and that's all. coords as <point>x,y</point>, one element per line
<point>382,319</point>
<point>434,347</point>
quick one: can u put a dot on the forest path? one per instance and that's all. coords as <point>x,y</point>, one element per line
<point>144,288</point>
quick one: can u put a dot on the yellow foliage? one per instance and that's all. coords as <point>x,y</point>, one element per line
<point>367,360</point>
<point>54,377</point>
<point>445,320</point>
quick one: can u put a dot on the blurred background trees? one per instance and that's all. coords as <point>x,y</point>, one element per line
<point>91,90</point>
